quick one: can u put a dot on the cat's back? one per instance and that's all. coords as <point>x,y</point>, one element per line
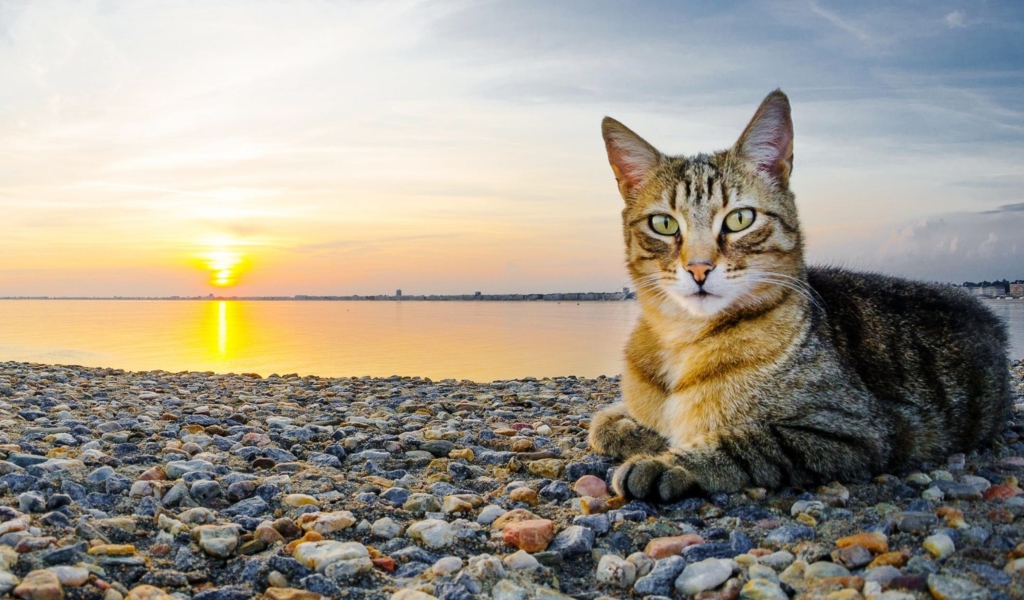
<point>921,348</point>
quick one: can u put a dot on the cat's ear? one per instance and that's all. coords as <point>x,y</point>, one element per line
<point>766,145</point>
<point>630,156</point>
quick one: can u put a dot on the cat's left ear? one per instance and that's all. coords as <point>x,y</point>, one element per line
<point>766,145</point>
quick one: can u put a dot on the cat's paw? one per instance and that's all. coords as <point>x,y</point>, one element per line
<point>615,433</point>
<point>655,479</point>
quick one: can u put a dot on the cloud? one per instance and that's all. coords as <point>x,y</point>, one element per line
<point>952,247</point>
<point>956,19</point>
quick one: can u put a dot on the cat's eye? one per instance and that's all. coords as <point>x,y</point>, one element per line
<point>739,219</point>
<point>664,224</point>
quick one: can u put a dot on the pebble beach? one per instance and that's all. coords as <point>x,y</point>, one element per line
<point>156,485</point>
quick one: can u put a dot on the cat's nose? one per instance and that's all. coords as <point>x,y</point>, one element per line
<point>700,271</point>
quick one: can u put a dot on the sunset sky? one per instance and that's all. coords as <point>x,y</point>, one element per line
<point>315,147</point>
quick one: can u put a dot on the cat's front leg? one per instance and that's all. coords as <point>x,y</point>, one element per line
<point>818,448</point>
<point>614,432</point>
<point>678,473</point>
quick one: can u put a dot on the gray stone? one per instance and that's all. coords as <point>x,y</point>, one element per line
<point>915,522</point>
<point>250,507</point>
<point>420,504</point>
<point>882,575</point>
<point>822,569</point>
<point>659,581</point>
<point>958,491</point>
<point>954,588</point>
<point>790,534</point>
<point>574,540</point>
<point>599,523</point>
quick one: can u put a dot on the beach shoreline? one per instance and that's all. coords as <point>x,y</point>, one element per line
<point>201,484</point>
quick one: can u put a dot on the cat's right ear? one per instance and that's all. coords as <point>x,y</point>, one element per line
<point>630,156</point>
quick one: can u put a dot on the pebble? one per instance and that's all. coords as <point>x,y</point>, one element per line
<point>673,545</point>
<point>777,560</point>
<point>822,569</point>
<point>217,540</point>
<point>40,585</point>
<point>321,554</point>
<point>613,570</point>
<point>939,545</point>
<point>409,594</point>
<point>70,576</point>
<point>591,486</point>
<point>520,560</point>
<point>433,533</point>
<point>549,468</point>
<point>762,589</point>
<point>574,540</point>
<point>704,575</point>
<point>955,588</point>
<point>489,514</point>
<point>446,565</point>
<point>386,528</point>
<point>874,542</point>
<point>660,580</point>
<point>532,535</point>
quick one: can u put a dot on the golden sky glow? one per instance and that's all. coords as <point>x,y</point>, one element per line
<point>446,147</point>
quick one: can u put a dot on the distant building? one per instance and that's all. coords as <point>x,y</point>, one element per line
<point>987,291</point>
<point>1017,290</point>
<point>477,294</point>
<point>398,293</point>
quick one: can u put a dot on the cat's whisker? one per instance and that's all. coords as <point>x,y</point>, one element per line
<point>803,291</point>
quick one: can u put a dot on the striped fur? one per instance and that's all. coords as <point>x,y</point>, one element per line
<point>768,373</point>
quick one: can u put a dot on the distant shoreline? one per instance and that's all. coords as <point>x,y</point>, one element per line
<point>565,297</point>
<point>569,297</point>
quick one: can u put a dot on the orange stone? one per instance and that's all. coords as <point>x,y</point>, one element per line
<point>268,535</point>
<point>592,486</point>
<point>532,536</point>
<point>760,552</point>
<point>385,563</point>
<point>40,585</point>
<point>852,582</point>
<point>160,549</point>
<point>311,536</point>
<point>671,546</point>
<point>156,473</point>
<point>148,592</point>
<point>593,506</point>
<point>113,549</point>
<point>1002,492</point>
<point>513,516</point>
<point>522,445</point>
<point>524,494</point>
<point>891,559</point>
<point>875,542</point>
<point>276,593</point>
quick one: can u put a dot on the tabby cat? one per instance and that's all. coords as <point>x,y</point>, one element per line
<point>748,368</point>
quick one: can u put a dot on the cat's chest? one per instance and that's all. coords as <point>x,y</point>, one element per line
<point>705,397</point>
<point>695,412</point>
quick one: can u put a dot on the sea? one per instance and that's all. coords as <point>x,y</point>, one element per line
<point>480,341</point>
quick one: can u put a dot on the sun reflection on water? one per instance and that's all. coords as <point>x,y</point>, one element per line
<point>222,328</point>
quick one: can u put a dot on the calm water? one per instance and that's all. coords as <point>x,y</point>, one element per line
<point>482,341</point>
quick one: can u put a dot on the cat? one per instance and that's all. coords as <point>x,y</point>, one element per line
<point>749,369</point>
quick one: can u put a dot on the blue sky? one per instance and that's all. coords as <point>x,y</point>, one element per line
<point>359,147</point>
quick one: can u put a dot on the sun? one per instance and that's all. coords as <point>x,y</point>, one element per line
<point>223,265</point>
